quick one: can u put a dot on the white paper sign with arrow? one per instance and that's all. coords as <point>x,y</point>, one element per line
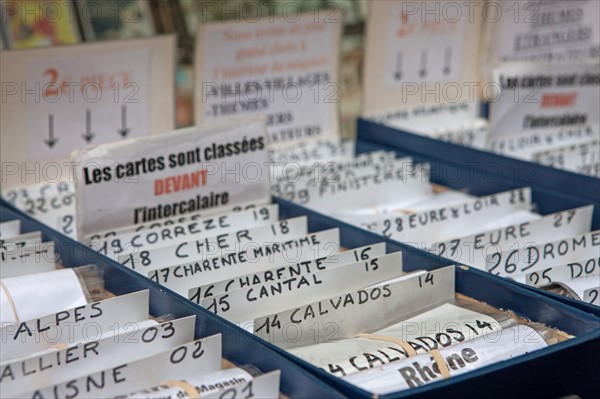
<point>87,100</point>
<point>58,99</point>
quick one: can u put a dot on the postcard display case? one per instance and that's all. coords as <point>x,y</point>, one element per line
<point>493,290</point>
<point>530,375</point>
<point>238,347</point>
<point>568,366</point>
<point>550,364</point>
<point>482,173</point>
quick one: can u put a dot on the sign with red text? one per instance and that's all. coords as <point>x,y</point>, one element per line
<point>186,171</point>
<point>284,68</point>
<point>58,99</point>
<point>544,97</point>
<point>87,100</point>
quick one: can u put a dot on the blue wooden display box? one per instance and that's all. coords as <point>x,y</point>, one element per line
<point>481,183</point>
<point>492,166</point>
<point>238,347</point>
<point>566,368</point>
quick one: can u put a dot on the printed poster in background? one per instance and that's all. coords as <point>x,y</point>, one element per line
<point>59,99</point>
<point>139,180</point>
<point>115,19</point>
<point>283,68</point>
<point>537,97</point>
<point>29,23</point>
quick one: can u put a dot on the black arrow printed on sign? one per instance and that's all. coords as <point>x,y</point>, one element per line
<point>423,70</point>
<point>51,140</point>
<point>398,74</point>
<point>88,136</point>
<point>447,58</point>
<point>124,130</point>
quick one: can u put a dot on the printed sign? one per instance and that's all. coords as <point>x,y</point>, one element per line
<point>284,69</point>
<point>421,52</point>
<point>535,96</point>
<point>170,175</point>
<point>87,100</point>
<point>559,30</point>
<point>173,221</point>
<point>59,99</point>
